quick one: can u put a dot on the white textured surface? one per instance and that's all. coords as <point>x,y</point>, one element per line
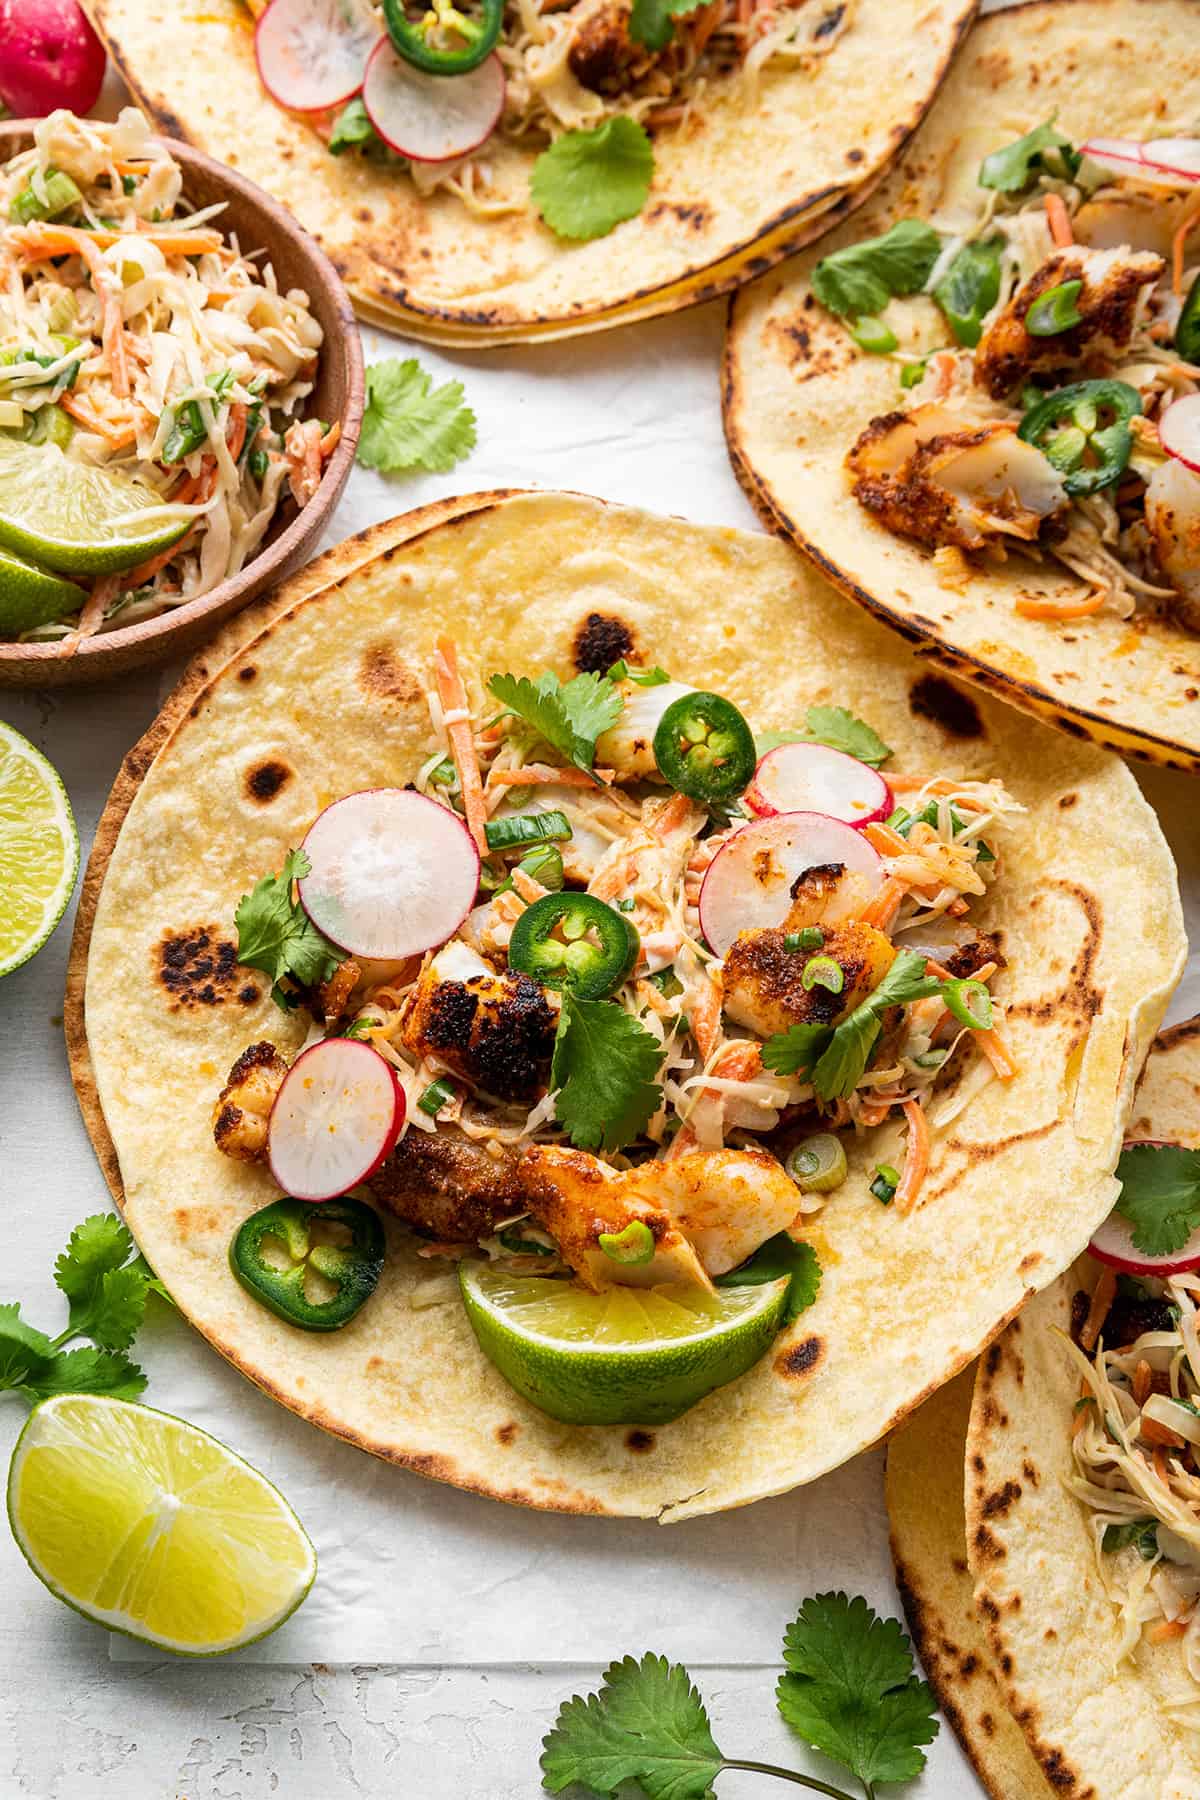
<point>479,1620</point>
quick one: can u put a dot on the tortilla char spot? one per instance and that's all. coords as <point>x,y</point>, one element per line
<point>969,1665</point>
<point>1028,1263</point>
<point>987,1724</point>
<point>1068,800</point>
<point>933,697</point>
<point>1057,1772</point>
<point>695,215</point>
<point>1050,1635</point>
<point>267,779</point>
<point>800,1360</point>
<point>601,640</point>
<point>987,1606</point>
<point>192,1220</point>
<point>383,676</point>
<point>991,1361</point>
<point>198,967</point>
<point>506,1434</point>
<point>639,1440</point>
<point>247,672</point>
<point>248,995</point>
<point>854,156</point>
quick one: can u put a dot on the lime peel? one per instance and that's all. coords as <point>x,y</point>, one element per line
<point>80,518</point>
<point>39,849</point>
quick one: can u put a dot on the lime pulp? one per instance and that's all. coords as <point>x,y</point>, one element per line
<point>39,849</point>
<point>79,518</point>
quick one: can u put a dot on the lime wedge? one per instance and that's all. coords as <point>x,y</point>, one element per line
<point>30,596</point>
<point>151,1527</point>
<point>77,517</point>
<point>628,1356</point>
<point>39,849</point>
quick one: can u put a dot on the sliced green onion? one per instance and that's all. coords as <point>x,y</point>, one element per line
<point>631,1247</point>
<point>817,1164</point>
<point>931,1059</point>
<point>873,335</point>
<point>626,905</point>
<point>791,941</point>
<point>525,829</point>
<point>823,971</point>
<point>811,937</point>
<point>435,1096</point>
<point>1055,310</point>
<point>970,1003</point>
<point>912,374</point>
<point>887,1180</point>
<point>622,671</point>
<point>667,982</point>
<point>59,193</point>
<point>543,864</point>
<point>522,1246</point>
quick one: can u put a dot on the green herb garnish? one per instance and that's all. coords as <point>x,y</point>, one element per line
<point>603,1069</point>
<point>1014,168</point>
<point>1160,1195</point>
<point>835,726</point>
<point>781,1255</point>
<point>410,424</point>
<point>569,717</point>
<point>833,1057</point>
<point>859,280</point>
<point>970,288</point>
<point>587,182</point>
<point>651,22</point>
<point>276,935</point>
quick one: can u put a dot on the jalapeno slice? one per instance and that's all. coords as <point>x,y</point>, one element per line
<point>705,748</point>
<point>463,41</point>
<point>574,941</point>
<point>305,1232</point>
<point>1187,332</point>
<point>1084,431</point>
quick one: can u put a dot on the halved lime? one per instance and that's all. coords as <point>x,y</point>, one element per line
<point>39,849</point>
<point>151,1527</point>
<point>78,517</point>
<point>31,596</point>
<point>628,1356</point>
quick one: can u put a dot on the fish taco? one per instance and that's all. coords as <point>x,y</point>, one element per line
<point>547,1037</point>
<point>978,405</point>
<point>508,169</point>
<point>1057,1611</point>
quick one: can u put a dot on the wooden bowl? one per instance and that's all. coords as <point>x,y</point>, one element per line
<point>260,225</point>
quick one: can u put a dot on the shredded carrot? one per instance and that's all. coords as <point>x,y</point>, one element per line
<point>957,908</point>
<point>1142,1377</point>
<point>909,784</point>
<point>673,816</point>
<point>998,1054</point>
<point>42,240</point>
<point>1059,221</point>
<point>706,23</point>
<point>1152,1432</point>
<point>235,431</point>
<point>453,696</point>
<point>332,439</point>
<point>1102,1298</point>
<point>916,1158</point>
<point>886,839</point>
<point>1161,1467</point>
<point>874,1112</point>
<point>704,1013</point>
<point>116,434</point>
<point>881,911</point>
<point>1030,608</point>
<point>1163,1630</point>
<point>542,775</point>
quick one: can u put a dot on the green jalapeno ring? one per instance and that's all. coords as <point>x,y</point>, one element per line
<point>1066,426</point>
<point>970,1003</point>
<point>410,37</point>
<point>353,1269</point>
<point>574,941</point>
<point>1187,332</point>
<point>705,749</point>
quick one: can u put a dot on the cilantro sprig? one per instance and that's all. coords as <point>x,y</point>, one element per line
<point>859,280</point>
<point>833,1057</point>
<point>587,182</point>
<point>106,1284</point>
<point>569,717</point>
<point>835,726</point>
<point>778,1256</point>
<point>603,1070</point>
<point>850,1691</point>
<point>410,424</point>
<point>1160,1195</point>
<point>276,935</point>
<point>651,22</point>
<point>1013,168</point>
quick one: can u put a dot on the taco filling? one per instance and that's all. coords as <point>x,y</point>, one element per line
<point>1049,398</point>
<point>1136,1431</point>
<point>431,90</point>
<point>153,380</point>
<point>599,996</point>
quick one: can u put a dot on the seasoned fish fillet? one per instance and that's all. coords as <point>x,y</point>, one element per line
<point>1114,282</point>
<point>445,1184</point>
<point>244,1104</point>
<point>763,981</point>
<point>496,1031</point>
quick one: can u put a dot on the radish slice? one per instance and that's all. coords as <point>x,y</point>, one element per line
<point>1113,1243</point>
<point>1179,430</point>
<point>749,882</point>
<point>1131,159</point>
<point>312,53</point>
<point>431,118</point>
<point>393,873</point>
<point>1177,155</point>
<point>814,778</point>
<point>336,1117</point>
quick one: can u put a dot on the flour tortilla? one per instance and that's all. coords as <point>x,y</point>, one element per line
<point>325,691</point>
<point>798,391</point>
<point>1001,1591</point>
<point>747,181</point>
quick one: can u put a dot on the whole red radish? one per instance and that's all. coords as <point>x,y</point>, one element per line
<point>49,57</point>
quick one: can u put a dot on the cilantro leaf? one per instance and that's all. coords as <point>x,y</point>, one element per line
<point>86,1371</point>
<point>1011,169</point>
<point>23,1349</point>
<point>796,1050</point>
<point>588,181</point>
<point>570,718</point>
<point>861,278</point>
<point>647,1724</point>
<point>651,21</point>
<point>603,1069</point>
<point>781,1255</point>
<point>276,935</point>
<point>834,1057</point>
<point>1160,1195</point>
<point>101,1243</point>
<point>410,424</point>
<point>835,726</point>
<point>352,128</point>
<point>852,1691</point>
